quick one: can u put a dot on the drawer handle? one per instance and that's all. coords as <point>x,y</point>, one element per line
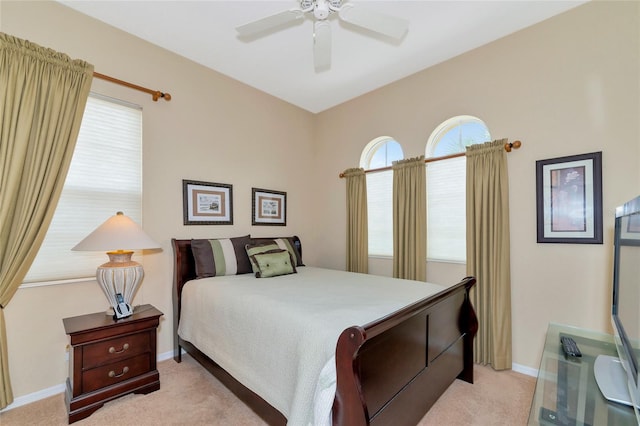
<point>113,350</point>
<point>124,371</point>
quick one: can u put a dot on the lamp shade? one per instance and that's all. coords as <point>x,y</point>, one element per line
<point>119,232</point>
<point>120,277</point>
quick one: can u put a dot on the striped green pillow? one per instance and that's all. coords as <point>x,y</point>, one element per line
<point>287,243</point>
<point>222,256</point>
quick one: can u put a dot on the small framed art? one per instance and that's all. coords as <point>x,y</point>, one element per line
<point>206,203</point>
<point>569,199</point>
<point>268,207</point>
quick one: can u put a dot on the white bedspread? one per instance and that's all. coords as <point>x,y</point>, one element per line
<point>276,335</point>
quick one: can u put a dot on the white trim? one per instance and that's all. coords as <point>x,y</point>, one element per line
<point>115,100</point>
<point>54,390</point>
<point>35,284</point>
<point>524,370</point>
<point>35,396</point>
<point>166,355</point>
<point>455,262</point>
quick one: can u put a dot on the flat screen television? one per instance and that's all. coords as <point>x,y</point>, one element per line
<point>619,378</point>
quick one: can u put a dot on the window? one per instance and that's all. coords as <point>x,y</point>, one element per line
<point>105,176</point>
<point>446,187</point>
<point>378,153</point>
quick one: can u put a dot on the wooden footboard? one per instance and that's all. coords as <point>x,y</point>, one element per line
<point>390,371</point>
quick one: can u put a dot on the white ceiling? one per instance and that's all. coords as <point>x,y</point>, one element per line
<point>281,63</point>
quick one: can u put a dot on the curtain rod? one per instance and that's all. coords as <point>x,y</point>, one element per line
<point>155,94</point>
<point>507,147</point>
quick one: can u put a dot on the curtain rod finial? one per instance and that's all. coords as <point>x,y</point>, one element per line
<point>509,145</point>
<point>158,94</point>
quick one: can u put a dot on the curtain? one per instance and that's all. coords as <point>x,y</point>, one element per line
<point>42,98</point>
<point>488,251</point>
<point>410,219</point>
<point>357,222</point>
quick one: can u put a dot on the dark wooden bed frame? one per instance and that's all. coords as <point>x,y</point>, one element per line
<point>390,371</point>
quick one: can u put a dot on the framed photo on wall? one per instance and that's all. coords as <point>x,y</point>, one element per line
<point>206,203</point>
<point>569,199</point>
<point>268,207</point>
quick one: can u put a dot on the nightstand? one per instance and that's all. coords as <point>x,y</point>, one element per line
<point>110,358</point>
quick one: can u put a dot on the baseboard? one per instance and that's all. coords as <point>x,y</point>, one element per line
<point>165,356</point>
<point>54,390</point>
<point>524,370</point>
<point>33,397</point>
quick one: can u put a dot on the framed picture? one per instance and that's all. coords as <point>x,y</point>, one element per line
<point>569,199</point>
<point>206,203</point>
<point>268,207</point>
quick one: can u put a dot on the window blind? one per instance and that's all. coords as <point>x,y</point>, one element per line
<point>380,213</point>
<point>105,176</point>
<point>446,211</point>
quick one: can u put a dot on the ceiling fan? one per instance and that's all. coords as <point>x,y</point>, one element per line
<point>320,10</point>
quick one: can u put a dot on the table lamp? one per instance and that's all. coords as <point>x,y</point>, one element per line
<point>120,277</point>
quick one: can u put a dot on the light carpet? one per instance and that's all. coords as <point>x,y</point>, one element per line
<point>190,395</point>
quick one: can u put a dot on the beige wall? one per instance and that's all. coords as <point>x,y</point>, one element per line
<point>566,86</point>
<point>569,85</point>
<point>214,129</point>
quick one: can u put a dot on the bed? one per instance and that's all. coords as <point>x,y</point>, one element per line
<point>388,370</point>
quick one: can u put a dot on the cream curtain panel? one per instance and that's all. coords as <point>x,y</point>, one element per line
<point>410,219</point>
<point>488,251</point>
<point>357,222</point>
<point>42,98</point>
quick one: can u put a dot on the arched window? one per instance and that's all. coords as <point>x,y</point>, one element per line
<point>380,152</point>
<point>446,183</point>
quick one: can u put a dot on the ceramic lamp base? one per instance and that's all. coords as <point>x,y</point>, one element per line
<point>119,276</point>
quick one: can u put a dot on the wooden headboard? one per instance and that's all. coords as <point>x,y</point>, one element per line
<point>184,268</point>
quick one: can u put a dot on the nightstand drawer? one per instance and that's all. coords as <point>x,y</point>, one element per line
<point>114,373</point>
<point>113,350</point>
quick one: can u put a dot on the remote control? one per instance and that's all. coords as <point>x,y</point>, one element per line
<point>570,347</point>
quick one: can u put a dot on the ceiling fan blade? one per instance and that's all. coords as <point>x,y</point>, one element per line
<point>322,45</point>
<point>269,22</point>
<point>388,25</point>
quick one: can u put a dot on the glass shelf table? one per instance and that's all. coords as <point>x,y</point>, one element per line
<point>566,390</point>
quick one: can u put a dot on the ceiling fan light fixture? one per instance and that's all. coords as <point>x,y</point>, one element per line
<point>321,10</point>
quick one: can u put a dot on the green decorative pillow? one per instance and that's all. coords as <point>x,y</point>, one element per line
<point>222,256</point>
<point>273,263</point>
<point>288,243</point>
<point>261,247</point>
